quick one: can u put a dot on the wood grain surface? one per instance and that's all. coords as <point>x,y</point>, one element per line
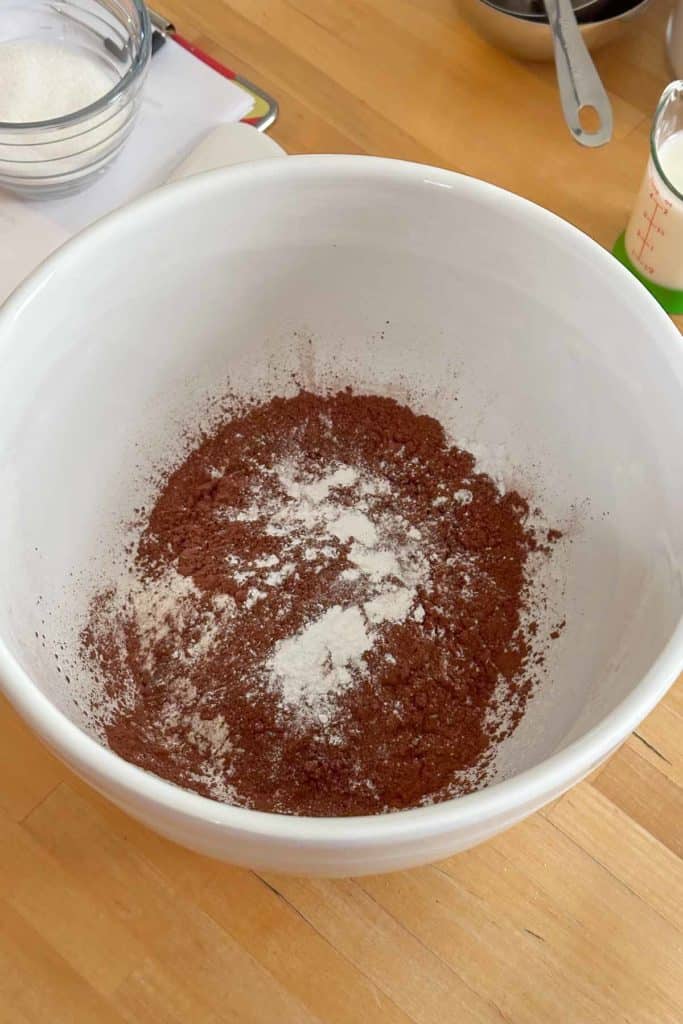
<point>572,917</point>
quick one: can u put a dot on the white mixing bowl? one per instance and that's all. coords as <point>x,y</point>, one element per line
<point>550,347</point>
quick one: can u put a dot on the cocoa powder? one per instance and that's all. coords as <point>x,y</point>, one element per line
<point>330,520</point>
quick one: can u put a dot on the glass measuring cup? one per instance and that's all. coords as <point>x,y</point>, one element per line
<point>652,245</point>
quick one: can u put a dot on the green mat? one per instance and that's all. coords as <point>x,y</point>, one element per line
<point>669,298</point>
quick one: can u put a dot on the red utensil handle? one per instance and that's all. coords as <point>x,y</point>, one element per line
<point>200,55</point>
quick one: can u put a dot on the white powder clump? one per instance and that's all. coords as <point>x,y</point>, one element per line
<point>390,606</point>
<point>159,606</point>
<point>356,525</point>
<point>376,564</point>
<point>274,579</point>
<point>210,734</point>
<point>266,563</point>
<point>316,664</point>
<point>463,496</point>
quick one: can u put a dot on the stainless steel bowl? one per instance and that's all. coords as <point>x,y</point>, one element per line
<point>531,39</point>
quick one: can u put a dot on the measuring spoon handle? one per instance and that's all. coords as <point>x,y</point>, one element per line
<point>578,81</point>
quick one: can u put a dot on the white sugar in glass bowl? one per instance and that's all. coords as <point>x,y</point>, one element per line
<point>508,324</point>
<point>105,47</point>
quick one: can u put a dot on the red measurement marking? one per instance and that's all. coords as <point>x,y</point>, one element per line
<point>659,205</point>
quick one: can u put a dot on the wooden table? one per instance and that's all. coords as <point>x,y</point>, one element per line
<point>574,916</point>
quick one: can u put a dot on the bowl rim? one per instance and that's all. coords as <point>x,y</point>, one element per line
<point>511,798</point>
<point>606,18</point>
<point>577,7</point>
<point>138,64</point>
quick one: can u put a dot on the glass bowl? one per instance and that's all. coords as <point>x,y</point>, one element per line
<point>61,155</point>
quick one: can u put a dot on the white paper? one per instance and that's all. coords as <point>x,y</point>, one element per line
<point>182,100</point>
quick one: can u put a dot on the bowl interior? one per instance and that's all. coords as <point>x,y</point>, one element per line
<point>533,347</point>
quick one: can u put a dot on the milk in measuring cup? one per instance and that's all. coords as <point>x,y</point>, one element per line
<point>654,236</point>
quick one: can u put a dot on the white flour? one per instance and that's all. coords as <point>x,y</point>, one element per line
<point>313,668</point>
<point>391,606</point>
<point>315,665</point>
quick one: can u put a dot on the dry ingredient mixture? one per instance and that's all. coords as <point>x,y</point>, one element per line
<point>326,614</point>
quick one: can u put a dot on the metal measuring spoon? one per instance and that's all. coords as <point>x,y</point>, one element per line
<point>577,79</point>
